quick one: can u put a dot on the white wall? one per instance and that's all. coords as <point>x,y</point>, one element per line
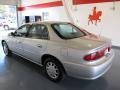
<point>54,13</point>
<point>34,2</point>
<point>110,19</point>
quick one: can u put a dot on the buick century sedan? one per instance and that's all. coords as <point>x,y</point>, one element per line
<point>61,48</point>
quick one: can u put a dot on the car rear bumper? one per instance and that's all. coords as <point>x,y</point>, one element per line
<point>87,71</point>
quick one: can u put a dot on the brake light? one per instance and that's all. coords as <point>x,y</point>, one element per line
<point>96,55</point>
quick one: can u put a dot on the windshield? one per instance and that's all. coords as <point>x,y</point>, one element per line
<point>67,30</point>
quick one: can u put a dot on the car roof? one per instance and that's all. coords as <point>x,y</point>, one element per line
<point>47,22</point>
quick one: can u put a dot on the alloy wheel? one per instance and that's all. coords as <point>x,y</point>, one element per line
<point>52,70</point>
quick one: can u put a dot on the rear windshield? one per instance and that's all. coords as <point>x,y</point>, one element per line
<point>67,30</point>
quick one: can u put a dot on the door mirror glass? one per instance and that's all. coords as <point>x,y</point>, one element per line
<point>15,34</point>
<point>11,34</point>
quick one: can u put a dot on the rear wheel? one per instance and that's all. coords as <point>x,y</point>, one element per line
<point>6,49</point>
<point>53,69</point>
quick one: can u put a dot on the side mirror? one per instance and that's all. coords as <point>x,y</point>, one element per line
<point>12,34</point>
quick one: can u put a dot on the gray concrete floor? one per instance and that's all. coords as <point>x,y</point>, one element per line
<point>17,73</point>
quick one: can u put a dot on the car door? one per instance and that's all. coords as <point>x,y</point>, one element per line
<point>16,40</point>
<point>36,42</point>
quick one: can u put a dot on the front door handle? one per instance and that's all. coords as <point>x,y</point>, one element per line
<point>19,42</point>
<point>40,46</point>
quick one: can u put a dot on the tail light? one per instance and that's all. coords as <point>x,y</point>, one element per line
<point>96,55</point>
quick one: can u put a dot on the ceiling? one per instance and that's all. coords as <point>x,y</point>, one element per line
<point>9,2</point>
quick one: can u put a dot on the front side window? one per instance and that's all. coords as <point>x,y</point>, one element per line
<point>67,30</point>
<point>22,31</point>
<point>38,31</point>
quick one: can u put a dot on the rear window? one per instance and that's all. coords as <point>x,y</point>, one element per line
<point>67,30</point>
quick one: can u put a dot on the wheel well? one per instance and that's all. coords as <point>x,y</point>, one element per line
<point>47,55</point>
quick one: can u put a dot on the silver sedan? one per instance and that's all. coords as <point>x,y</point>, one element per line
<point>62,49</point>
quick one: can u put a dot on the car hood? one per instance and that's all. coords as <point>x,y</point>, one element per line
<point>88,42</point>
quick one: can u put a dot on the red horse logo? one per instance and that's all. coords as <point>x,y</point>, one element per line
<point>95,16</point>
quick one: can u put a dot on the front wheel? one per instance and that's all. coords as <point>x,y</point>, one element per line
<point>53,70</point>
<point>6,49</point>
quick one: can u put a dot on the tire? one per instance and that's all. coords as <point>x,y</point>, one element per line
<point>53,70</point>
<point>6,49</point>
<point>6,27</point>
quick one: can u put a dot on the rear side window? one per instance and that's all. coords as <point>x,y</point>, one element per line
<point>39,31</point>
